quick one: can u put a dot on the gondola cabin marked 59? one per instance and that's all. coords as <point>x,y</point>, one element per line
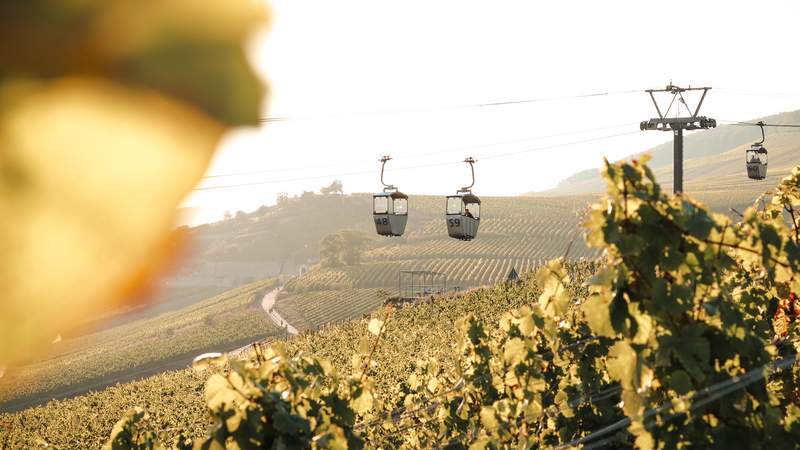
<point>463,216</point>
<point>389,208</point>
<point>463,211</point>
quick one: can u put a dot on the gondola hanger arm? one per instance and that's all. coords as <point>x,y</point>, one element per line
<point>383,160</point>
<point>471,161</point>
<point>761,124</point>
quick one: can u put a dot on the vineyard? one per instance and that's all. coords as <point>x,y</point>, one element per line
<point>521,233</point>
<point>84,422</point>
<point>683,335</point>
<point>232,317</point>
<point>175,399</point>
<point>312,310</point>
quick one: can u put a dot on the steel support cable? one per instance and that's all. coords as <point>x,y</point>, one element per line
<point>367,172</point>
<point>340,115</point>
<point>423,154</point>
<point>756,124</point>
<point>756,93</point>
<point>707,395</point>
<point>713,393</point>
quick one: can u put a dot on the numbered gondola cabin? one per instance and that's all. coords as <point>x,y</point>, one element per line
<point>390,212</point>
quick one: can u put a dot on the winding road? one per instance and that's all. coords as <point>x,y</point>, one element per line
<point>268,303</point>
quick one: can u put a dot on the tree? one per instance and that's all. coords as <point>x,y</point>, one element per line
<point>282,198</point>
<point>354,244</point>
<point>343,248</point>
<point>334,188</point>
<point>331,251</point>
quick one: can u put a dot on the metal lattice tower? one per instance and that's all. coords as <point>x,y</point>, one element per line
<point>677,125</point>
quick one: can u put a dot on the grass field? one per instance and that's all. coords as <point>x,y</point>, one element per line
<point>231,317</point>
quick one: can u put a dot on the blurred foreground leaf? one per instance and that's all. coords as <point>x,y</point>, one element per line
<point>109,114</point>
<point>190,50</point>
<point>85,214</point>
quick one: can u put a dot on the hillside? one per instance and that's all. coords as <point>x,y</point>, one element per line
<point>716,157</point>
<point>519,233</point>
<point>140,348</point>
<point>420,331</point>
<point>516,232</point>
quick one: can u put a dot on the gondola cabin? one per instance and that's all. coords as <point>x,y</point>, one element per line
<point>463,215</point>
<point>390,212</point>
<point>756,160</point>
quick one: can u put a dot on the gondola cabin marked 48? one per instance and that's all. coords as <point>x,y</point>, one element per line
<point>389,208</point>
<point>390,212</point>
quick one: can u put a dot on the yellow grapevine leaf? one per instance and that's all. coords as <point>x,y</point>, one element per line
<point>189,50</point>
<point>375,326</point>
<point>91,173</point>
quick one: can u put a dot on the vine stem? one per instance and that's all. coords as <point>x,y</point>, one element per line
<point>790,209</point>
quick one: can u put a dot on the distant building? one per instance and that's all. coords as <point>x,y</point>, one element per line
<point>513,277</point>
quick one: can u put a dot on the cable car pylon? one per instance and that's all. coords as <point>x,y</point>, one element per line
<point>677,125</point>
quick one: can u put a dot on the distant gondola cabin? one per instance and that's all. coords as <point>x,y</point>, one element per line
<point>756,161</point>
<point>390,212</point>
<point>463,215</point>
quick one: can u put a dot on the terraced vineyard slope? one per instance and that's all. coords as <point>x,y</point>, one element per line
<point>516,232</point>
<point>419,331</point>
<point>141,348</point>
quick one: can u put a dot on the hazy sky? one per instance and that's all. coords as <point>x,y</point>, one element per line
<point>360,79</point>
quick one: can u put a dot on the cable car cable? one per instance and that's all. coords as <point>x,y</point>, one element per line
<point>760,124</point>
<point>503,155</point>
<point>447,163</point>
<point>422,154</point>
<point>756,93</point>
<point>339,115</point>
<point>712,393</point>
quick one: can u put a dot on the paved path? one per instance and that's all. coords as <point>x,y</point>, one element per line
<point>268,303</point>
